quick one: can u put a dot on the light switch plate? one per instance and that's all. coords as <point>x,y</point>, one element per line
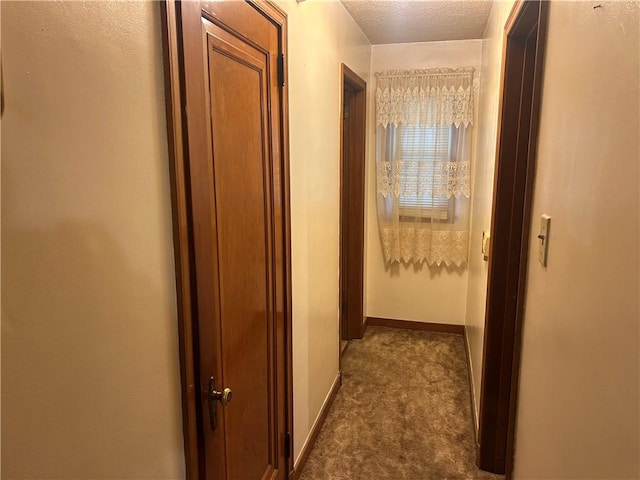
<point>485,245</point>
<point>543,238</point>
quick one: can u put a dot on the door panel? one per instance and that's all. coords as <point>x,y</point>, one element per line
<point>234,129</point>
<point>237,88</point>
<point>352,183</point>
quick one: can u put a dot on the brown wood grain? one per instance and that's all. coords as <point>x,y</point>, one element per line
<point>181,235</point>
<point>212,460</point>
<point>232,222</point>
<point>241,185</point>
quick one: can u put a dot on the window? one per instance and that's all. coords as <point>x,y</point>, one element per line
<point>423,165</point>
<point>425,153</point>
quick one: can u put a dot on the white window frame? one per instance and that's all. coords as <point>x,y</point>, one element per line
<point>410,209</point>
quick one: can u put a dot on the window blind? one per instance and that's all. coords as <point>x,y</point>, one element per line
<point>422,148</point>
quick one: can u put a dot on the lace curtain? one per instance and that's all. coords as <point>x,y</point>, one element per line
<point>423,146</point>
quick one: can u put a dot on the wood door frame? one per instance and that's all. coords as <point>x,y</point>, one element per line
<point>183,232</point>
<point>522,63</point>
<point>352,251</point>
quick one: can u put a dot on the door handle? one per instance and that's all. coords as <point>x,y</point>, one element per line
<point>215,396</point>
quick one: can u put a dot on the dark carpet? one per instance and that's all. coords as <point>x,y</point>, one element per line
<point>402,412</point>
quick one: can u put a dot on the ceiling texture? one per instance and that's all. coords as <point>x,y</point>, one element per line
<point>404,21</point>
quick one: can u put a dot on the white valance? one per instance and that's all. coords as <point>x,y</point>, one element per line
<point>435,96</point>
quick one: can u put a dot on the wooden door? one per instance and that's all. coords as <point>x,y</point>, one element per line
<point>234,129</point>
<point>344,217</point>
<point>352,183</point>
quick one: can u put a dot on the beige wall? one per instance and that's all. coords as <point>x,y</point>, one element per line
<point>321,36</point>
<point>579,408</point>
<point>88,299</point>
<point>89,340</point>
<point>1,90</point>
<point>487,125</point>
<point>407,292</point>
<point>90,377</point>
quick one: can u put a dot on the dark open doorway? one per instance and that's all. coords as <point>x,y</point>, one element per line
<point>525,33</point>
<point>352,188</point>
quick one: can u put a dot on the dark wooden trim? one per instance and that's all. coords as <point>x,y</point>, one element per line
<point>317,427</point>
<point>412,325</point>
<point>350,77</point>
<point>540,45</point>
<point>352,204</point>
<point>279,17</point>
<point>182,234</point>
<point>523,58</point>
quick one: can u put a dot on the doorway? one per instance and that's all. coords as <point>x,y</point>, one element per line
<point>227,117</point>
<point>525,34</point>
<point>352,190</point>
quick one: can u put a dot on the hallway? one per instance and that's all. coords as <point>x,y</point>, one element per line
<point>100,324</point>
<point>402,412</point>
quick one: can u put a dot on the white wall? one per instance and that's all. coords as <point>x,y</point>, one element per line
<point>321,37</point>
<point>579,408</point>
<point>408,292</point>
<point>486,137</point>
<point>90,378</point>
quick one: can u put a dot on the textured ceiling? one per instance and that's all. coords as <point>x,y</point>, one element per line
<point>400,21</point>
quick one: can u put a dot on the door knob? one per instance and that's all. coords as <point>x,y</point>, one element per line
<point>224,396</point>
<point>215,396</point>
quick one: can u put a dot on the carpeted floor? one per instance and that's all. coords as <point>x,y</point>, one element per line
<point>402,412</point>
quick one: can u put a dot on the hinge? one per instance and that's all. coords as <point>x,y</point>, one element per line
<point>287,445</point>
<point>281,69</point>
